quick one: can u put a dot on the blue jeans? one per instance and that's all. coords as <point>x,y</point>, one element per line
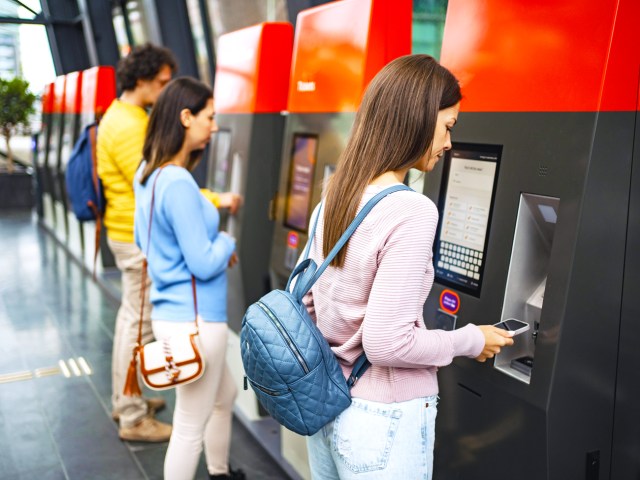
<point>373,440</point>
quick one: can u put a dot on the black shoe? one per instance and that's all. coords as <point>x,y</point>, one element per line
<point>232,475</point>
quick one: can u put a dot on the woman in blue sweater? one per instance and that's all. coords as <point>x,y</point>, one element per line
<point>185,241</point>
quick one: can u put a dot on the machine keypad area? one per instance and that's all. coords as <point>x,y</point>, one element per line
<point>461,260</point>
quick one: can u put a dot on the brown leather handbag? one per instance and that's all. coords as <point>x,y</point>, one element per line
<point>167,363</point>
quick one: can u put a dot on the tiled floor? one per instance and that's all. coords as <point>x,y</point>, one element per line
<point>51,426</point>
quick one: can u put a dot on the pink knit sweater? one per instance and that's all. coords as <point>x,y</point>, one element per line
<point>376,300</point>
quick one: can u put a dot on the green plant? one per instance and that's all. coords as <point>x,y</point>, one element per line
<point>16,105</point>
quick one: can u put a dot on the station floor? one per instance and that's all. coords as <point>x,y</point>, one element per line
<point>56,334</point>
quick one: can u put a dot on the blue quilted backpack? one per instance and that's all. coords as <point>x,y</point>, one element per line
<point>287,361</point>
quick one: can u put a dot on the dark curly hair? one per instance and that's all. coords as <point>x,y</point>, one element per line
<point>143,63</point>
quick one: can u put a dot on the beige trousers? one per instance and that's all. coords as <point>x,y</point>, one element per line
<point>129,260</point>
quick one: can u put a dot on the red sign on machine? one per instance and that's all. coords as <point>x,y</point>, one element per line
<point>292,240</point>
<point>450,301</point>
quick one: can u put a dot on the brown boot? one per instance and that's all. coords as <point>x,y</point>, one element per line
<point>147,430</point>
<point>155,404</point>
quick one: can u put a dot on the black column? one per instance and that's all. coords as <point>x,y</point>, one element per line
<point>66,36</point>
<point>104,35</point>
<point>176,34</point>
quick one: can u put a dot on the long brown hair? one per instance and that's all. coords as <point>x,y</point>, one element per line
<point>393,129</point>
<point>165,132</point>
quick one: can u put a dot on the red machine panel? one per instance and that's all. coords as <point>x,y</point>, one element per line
<point>253,68</point>
<point>551,55</point>
<point>73,90</point>
<point>58,102</point>
<point>339,48</point>
<point>98,89</point>
<point>47,98</point>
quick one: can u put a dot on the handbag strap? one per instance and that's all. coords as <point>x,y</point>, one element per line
<point>361,364</point>
<point>145,264</point>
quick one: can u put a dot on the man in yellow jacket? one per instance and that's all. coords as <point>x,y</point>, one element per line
<point>141,76</point>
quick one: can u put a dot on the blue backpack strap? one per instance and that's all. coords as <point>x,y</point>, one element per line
<point>350,229</point>
<point>312,234</point>
<point>359,367</point>
<point>307,266</point>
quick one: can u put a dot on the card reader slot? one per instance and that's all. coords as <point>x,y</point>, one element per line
<point>527,280</point>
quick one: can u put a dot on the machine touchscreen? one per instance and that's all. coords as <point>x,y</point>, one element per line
<point>220,150</point>
<point>465,204</point>
<point>303,161</point>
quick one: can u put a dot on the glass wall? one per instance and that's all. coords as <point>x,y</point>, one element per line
<point>130,24</point>
<point>196,19</point>
<point>227,16</point>
<point>428,26</point>
<point>25,52</point>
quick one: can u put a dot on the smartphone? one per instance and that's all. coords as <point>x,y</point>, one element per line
<point>513,325</point>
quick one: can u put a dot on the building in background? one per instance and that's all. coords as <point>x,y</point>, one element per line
<point>9,43</point>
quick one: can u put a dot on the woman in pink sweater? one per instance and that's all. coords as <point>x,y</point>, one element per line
<point>372,295</point>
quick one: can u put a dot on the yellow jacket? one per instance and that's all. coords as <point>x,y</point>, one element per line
<point>119,151</point>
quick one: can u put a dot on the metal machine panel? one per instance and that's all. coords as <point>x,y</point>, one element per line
<point>98,91</point>
<point>559,151</point>
<point>625,461</point>
<point>245,160</point>
<point>252,79</point>
<point>70,133</point>
<point>52,219</point>
<point>42,148</point>
<point>560,412</point>
<point>329,134</point>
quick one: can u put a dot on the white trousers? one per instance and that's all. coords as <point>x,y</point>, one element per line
<point>204,408</point>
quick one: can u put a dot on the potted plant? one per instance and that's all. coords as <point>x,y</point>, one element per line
<point>17,107</point>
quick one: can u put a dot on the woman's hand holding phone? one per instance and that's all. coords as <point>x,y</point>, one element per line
<point>494,339</point>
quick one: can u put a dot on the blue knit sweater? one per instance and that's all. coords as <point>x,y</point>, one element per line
<point>184,240</point>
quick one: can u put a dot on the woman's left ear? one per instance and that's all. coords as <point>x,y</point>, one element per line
<point>185,117</point>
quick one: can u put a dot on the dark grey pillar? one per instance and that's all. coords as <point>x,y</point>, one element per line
<point>98,23</point>
<point>173,20</point>
<point>66,36</point>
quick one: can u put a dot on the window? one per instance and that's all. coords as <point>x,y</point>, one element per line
<point>428,26</point>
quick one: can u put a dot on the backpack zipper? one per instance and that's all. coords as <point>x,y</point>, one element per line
<point>285,335</point>
<point>273,393</point>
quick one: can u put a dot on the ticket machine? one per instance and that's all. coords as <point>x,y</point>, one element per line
<point>338,49</point>
<point>70,133</point>
<point>42,148</point>
<point>625,461</point>
<point>51,196</point>
<point>535,219</point>
<point>252,79</point>
<point>98,91</point>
